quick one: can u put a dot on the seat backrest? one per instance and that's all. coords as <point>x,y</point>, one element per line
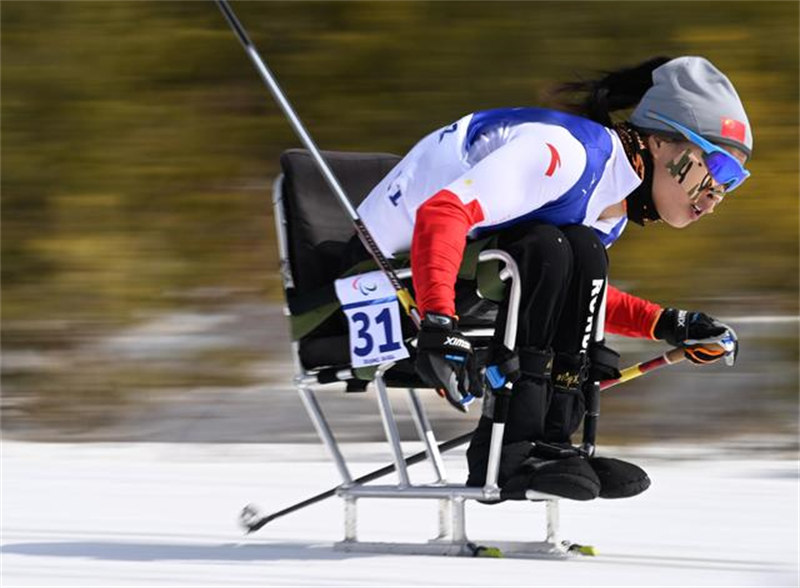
<point>312,212</point>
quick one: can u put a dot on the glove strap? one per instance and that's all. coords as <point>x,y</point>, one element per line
<point>444,342</point>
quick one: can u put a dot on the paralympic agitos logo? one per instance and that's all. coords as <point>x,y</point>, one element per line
<point>365,285</point>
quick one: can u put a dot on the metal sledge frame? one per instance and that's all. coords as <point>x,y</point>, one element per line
<point>452,536</point>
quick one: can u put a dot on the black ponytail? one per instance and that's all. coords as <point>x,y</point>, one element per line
<point>616,90</point>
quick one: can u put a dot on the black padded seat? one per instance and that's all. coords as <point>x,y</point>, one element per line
<point>317,231</point>
<point>314,216</point>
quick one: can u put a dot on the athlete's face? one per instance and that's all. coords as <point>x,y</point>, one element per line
<point>683,190</point>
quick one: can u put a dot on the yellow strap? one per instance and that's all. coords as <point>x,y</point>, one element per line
<point>630,373</point>
<point>407,302</point>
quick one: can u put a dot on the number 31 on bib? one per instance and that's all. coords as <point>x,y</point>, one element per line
<point>373,317</point>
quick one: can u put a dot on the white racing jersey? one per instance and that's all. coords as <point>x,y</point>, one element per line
<point>518,164</point>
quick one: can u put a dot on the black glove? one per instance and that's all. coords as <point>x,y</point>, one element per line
<point>445,360</point>
<point>704,339</point>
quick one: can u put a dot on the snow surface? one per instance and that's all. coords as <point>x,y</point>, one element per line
<point>165,515</point>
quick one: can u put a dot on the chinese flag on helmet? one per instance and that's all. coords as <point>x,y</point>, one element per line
<point>733,129</point>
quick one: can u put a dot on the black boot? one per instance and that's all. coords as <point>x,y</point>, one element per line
<point>478,455</point>
<point>619,479</point>
<point>554,466</point>
<point>525,422</point>
<point>478,452</point>
<point>567,477</point>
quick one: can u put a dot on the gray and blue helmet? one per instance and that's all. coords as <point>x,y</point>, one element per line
<point>694,93</point>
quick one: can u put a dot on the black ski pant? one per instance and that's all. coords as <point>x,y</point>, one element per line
<point>560,269</point>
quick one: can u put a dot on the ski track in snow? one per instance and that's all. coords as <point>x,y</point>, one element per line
<point>165,515</point>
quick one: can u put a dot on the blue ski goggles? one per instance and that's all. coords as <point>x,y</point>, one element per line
<point>724,168</point>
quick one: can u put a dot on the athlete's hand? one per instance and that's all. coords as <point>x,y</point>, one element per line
<point>444,358</point>
<point>703,338</point>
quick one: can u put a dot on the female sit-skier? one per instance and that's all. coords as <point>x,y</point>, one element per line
<point>557,189</point>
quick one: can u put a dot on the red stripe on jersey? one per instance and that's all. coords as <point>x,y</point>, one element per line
<point>630,316</point>
<point>555,160</point>
<point>437,247</point>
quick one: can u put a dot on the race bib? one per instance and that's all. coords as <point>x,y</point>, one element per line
<point>373,317</point>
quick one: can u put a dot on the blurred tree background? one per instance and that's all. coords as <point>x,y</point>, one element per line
<point>139,145</point>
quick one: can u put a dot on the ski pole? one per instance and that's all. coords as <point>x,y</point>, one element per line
<point>403,295</point>
<point>724,345</point>
<point>252,521</point>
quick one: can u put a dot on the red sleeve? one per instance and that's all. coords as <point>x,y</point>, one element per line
<point>630,316</point>
<point>440,233</point>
